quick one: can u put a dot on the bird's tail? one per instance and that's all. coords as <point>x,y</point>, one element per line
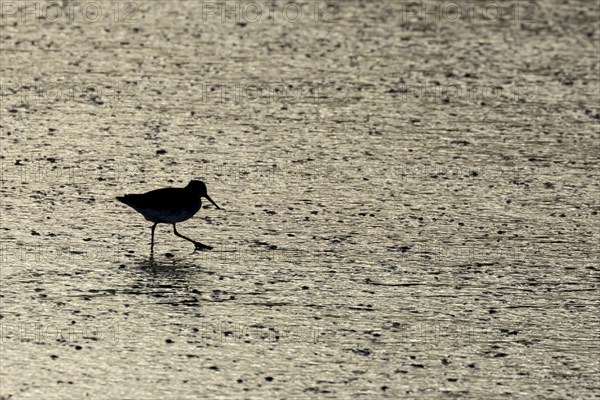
<point>125,199</point>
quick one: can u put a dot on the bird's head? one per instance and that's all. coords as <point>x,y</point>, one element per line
<point>199,188</point>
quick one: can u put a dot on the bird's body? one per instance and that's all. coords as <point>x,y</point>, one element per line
<point>170,206</point>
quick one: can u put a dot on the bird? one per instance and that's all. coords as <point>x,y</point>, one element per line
<point>170,206</point>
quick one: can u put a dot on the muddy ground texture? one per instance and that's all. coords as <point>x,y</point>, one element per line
<point>411,201</point>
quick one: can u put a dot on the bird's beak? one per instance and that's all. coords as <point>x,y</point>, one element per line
<point>215,204</point>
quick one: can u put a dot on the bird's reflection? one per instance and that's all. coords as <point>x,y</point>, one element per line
<point>173,281</point>
<point>171,267</point>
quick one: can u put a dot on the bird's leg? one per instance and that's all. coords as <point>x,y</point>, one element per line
<point>199,246</point>
<point>152,241</point>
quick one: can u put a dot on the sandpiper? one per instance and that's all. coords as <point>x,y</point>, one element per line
<point>169,206</point>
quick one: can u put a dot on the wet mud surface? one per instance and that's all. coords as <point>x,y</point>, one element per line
<point>412,201</point>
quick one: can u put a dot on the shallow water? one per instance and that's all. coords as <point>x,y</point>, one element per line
<point>412,203</point>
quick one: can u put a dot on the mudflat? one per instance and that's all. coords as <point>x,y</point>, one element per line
<point>411,192</point>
